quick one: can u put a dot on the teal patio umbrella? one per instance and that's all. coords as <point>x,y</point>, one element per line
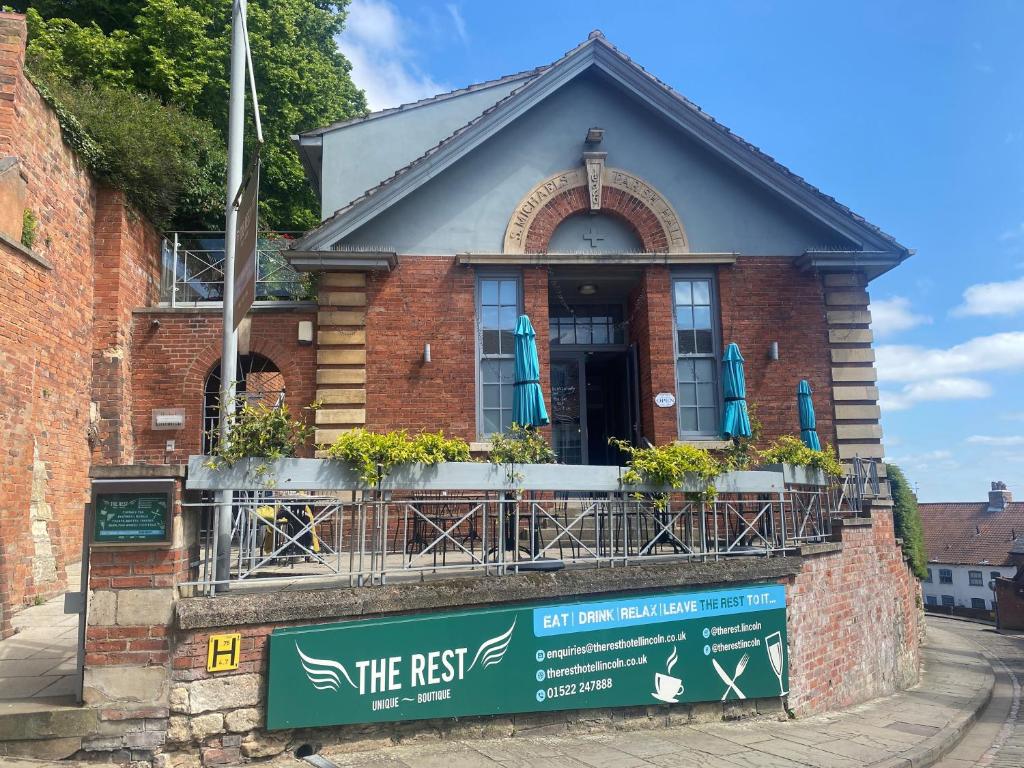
<point>807,422</point>
<point>527,399</point>
<point>735,420</point>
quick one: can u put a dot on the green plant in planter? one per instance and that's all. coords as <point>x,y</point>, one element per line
<point>791,450</point>
<point>520,445</point>
<point>434,448</point>
<point>260,431</point>
<point>669,466</point>
<point>374,454</point>
<point>741,454</point>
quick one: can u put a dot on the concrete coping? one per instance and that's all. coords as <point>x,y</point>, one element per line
<point>267,607</point>
<point>133,471</point>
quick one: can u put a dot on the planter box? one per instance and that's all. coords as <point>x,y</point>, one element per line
<point>327,474</point>
<point>795,474</point>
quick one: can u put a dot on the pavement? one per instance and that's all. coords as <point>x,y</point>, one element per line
<point>38,664</point>
<point>962,714</point>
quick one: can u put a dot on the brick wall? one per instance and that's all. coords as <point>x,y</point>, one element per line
<point>766,299</point>
<point>86,234</point>
<point>127,276</point>
<point>854,624</point>
<point>174,352</point>
<point>855,620</point>
<point>431,300</point>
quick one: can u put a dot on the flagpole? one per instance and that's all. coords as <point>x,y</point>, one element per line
<point>229,345</point>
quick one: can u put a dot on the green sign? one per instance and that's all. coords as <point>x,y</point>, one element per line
<point>677,647</point>
<point>131,517</point>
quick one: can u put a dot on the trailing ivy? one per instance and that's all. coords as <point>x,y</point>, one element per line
<point>791,450</point>
<point>75,136</point>
<point>906,520</point>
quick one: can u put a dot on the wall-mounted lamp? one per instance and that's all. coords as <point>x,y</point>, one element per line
<point>426,353</point>
<point>595,135</point>
<point>773,351</point>
<point>305,332</point>
<point>587,289</point>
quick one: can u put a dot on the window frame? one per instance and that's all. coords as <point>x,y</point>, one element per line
<point>972,575</point>
<point>945,575</point>
<point>711,275</point>
<point>931,600</point>
<point>975,606</point>
<point>948,601</point>
<point>480,278</point>
<point>929,579</point>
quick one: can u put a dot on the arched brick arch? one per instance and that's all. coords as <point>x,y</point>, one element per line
<point>645,210</point>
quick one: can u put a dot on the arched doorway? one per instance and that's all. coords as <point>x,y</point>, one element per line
<point>259,381</point>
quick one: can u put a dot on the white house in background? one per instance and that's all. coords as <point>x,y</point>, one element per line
<point>968,545</point>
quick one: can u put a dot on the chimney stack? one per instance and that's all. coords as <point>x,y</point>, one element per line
<point>998,497</point>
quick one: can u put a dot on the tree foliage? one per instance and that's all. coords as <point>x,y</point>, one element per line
<point>907,521</point>
<point>178,51</point>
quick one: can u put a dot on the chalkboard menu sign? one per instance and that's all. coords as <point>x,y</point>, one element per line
<point>132,512</point>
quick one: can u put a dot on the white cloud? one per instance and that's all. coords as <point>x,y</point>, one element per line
<point>1005,298</point>
<point>376,41</point>
<point>458,21</point>
<point>1016,233</point>
<point>934,389</point>
<point>1000,441</point>
<point>930,460</point>
<point>1000,351</point>
<point>892,315</point>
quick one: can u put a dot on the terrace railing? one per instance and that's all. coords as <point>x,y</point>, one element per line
<point>193,270</point>
<point>315,523</point>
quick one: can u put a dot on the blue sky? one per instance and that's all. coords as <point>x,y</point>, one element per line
<point>911,113</point>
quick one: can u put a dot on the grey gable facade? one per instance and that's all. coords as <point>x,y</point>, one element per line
<point>667,224</point>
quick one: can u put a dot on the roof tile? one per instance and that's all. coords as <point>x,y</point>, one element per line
<point>966,534</point>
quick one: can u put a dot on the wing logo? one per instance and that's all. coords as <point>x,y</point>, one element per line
<point>492,651</point>
<point>323,673</point>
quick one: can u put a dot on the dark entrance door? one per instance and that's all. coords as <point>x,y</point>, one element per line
<point>590,399</point>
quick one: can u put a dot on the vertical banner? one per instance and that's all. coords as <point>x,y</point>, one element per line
<point>245,241</point>
<point>664,648</point>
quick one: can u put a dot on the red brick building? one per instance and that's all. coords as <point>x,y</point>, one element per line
<point>639,235</point>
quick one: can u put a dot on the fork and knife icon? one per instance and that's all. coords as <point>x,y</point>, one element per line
<point>731,681</point>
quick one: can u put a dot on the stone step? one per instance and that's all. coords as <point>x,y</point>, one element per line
<point>44,729</point>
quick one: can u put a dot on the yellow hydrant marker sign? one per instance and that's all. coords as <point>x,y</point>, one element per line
<point>223,652</point>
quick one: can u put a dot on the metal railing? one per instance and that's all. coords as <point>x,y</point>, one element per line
<point>193,270</point>
<point>364,538</point>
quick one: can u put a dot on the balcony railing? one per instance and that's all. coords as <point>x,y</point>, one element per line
<point>193,270</point>
<point>467,521</point>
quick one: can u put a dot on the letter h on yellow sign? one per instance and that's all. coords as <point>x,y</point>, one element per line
<point>223,652</point>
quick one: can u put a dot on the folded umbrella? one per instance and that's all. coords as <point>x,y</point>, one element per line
<point>528,408</point>
<point>735,419</point>
<point>805,406</point>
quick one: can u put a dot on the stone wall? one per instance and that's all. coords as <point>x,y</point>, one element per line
<point>176,349</point>
<point>854,626</point>
<point>63,311</point>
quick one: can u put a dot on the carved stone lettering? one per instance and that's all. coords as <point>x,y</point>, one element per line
<point>594,177</point>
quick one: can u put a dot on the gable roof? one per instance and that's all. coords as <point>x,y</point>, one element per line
<point>967,534</point>
<point>597,52</point>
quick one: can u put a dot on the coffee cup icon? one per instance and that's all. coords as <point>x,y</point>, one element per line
<point>667,688</point>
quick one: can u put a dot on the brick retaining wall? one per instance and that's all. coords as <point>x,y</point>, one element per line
<point>64,330</point>
<point>854,624</point>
